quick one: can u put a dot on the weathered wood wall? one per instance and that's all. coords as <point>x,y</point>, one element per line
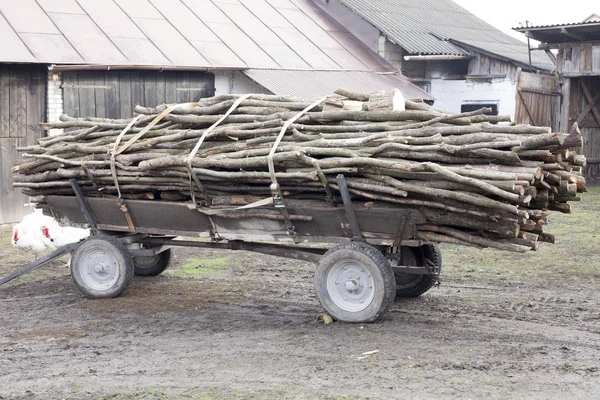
<point>114,94</point>
<point>537,100</point>
<point>583,98</point>
<point>485,65</point>
<point>579,59</point>
<point>22,107</point>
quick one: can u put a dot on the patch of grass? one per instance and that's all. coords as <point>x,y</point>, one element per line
<point>575,253</point>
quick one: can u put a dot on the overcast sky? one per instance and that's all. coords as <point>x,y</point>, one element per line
<point>506,14</point>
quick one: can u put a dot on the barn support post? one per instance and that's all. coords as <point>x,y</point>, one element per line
<point>565,106</point>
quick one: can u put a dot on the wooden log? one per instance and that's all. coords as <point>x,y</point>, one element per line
<point>473,239</point>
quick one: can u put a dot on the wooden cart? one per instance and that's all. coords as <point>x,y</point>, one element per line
<point>374,257</point>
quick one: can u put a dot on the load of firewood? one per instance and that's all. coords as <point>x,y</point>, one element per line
<point>477,178</point>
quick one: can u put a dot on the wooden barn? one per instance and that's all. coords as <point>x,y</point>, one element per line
<point>578,81</point>
<point>90,58</point>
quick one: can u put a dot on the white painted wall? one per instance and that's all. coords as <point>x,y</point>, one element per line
<point>451,94</point>
<point>54,100</point>
<point>230,82</point>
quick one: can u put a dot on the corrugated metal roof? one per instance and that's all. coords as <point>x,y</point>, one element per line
<point>563,25</point>
<point>563,33</point>
<point>439,27</point>
<point>321,83</point>
<point>276,34</point>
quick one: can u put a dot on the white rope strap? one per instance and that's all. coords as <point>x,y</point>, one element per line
<point>275,185</point>
<point>113,168</point>
<point>190,157</point>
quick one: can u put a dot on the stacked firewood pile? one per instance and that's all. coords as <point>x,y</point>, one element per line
<point>478,179</point>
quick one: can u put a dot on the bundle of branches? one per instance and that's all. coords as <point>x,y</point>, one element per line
<point>478,179</point>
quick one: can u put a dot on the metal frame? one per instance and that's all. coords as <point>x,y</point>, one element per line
<point>156,240</point>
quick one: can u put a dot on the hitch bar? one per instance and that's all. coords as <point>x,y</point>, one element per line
<point>61,251</point>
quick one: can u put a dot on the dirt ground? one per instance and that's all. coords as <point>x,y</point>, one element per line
<point>227,325</point>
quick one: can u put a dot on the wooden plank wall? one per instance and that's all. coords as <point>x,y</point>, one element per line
<point>485,65</point>
<point>580,112</point>
<point>537,100</point>
<point>22,107</point>
<point>114,94</point>
<point>579,59</point>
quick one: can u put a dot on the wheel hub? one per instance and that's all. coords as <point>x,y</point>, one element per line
<point>99,269</point>
<point>350,286</point>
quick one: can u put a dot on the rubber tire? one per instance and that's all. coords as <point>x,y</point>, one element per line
<point>381,272</point>
<point>124,263</point>
<point>162,263</point>
<point>422,283</point>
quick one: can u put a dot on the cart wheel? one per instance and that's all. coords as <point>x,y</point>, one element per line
<point>152,265</point>
<point>355,282</point>
<point>413,285</point>
<point>102,267</point>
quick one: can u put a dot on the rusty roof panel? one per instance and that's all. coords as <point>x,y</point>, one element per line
<point>111,19</point>
<point>138,8</point>
<point>61,6</point>
<point>185,21</point>
<point>88,39</point>
<point>141,51</point>
<point>170,42</point>
<point>51,48</point>
<point>321,83</point>
<point>13,49</point>
<point>219,54</point>
<point>26,16</point>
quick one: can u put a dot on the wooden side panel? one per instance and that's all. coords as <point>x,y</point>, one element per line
<point>137,92</point>
<point>183,87</point>
<point>582,112</point>
<point>538,100</point>
<point>112,94</point>
<point>36,105</point>
<point>150,89</point>
<point>4,102</point>
<point>87,94</point>
<point>71,94</point>
<point>100,89</point>
<point>171,88</point>
<point>586,57</point>
<point>591,150</point>
<point>22,107</point>
<point>124,109</point>
<point>161,88</point>
<point>596,59</point>
<point>571,59</point>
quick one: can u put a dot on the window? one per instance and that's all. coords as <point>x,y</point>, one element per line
<point>569,54</point>
<point>476,106</point>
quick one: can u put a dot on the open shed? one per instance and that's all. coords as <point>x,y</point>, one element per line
<point>578,69</point>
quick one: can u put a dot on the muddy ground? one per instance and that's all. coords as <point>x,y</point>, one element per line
<point>225,325</point>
